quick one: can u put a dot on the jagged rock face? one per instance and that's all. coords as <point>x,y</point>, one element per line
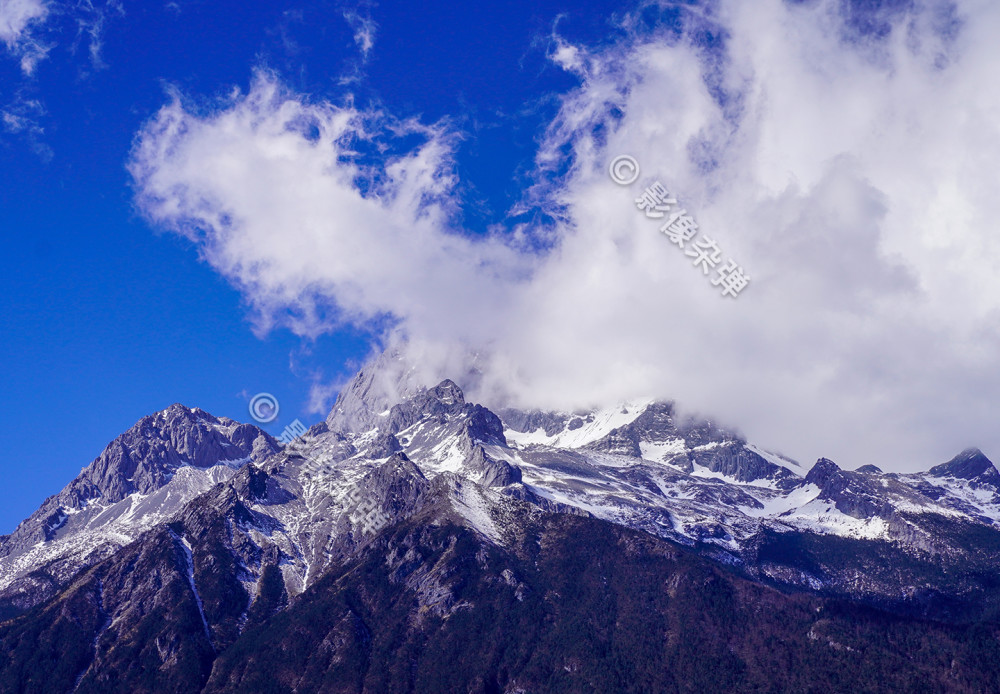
<point>701,443</point>
<point>438,404</point>
<point>853,493</point>
<point>970,464</point>
<point>823,473</point>
<point>732,459</point>
<point>484,427</point>
<point>622,441</point>
<point>490,472</point>
<point>572,604</point>
<point>131,623</point>
<point>526,421</point>
<point>396,486</point>
<point>870,469</point>
<point>144,458</point>
<point>444,399</point>
<point>656,423</point>
<point>378,386</point>
<point>383,446</point>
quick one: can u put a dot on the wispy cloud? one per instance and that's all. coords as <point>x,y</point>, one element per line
<point>30,30</point>
<point>322,395</point>
<point>364,29</point>
<point>22,117</point>
<point>846,160</point>
<point>91,21</point>
<point>18,19</point>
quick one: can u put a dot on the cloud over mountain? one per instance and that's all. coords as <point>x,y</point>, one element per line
<point>843,156</point>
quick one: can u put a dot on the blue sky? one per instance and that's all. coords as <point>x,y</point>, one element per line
<point>205,200</point>
<point>104,318</point>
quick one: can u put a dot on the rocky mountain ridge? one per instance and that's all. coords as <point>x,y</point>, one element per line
<point>140,479</point>
<point>235,532</point>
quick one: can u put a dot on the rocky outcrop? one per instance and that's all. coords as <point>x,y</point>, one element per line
<point>971,465</point>
<point>383,446</point>
<point>376,387</point>
<point>490,472</point>
<point>621,441</point>
<point>734,460</point>
<point>436,403</point>
<point>145,457</point>
<point>149,457</point>
<point>396,486</point>
<point>531,420</point>
<point>853,493</point>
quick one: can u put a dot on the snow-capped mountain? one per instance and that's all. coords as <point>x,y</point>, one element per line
<point>634,465</point>
<point>238,530</point>
<point>140,479</point>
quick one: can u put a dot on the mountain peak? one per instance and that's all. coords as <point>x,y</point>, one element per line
<point>822,472</point>
<point>448,392</point>
<point>179,416</point>
<point>144,458</point>
<point>870,469</point>
<point>443,400</point>
<point>181,407</point>
<point>970,464</point>
<point>189,449</point>
<point>391,378</point>
<point>380,384</point>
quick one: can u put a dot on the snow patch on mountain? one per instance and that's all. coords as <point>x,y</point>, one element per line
<point>823,517</point>
<point>662,451</point>
<point>780,504</point>
<point>99,529</point>
<point>581,429</point>
<point>779,460</point>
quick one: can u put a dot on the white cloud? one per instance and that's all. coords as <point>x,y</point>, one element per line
<point>22,21</point>
<point>851,176</point>
<point>321,397</point>
<point>91,21</point>
<point>17,19</point>
<point>22,117</point>
<point>29,29</point>
<point>271,190</point>
<point>364,28</point>
<point>16,16</point>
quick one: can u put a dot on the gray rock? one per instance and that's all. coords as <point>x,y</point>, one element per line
<point>141,461</point>
<point>490,471</point>
<point>970,464</point>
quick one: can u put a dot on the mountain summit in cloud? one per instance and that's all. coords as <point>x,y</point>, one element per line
<point>822,144</point>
